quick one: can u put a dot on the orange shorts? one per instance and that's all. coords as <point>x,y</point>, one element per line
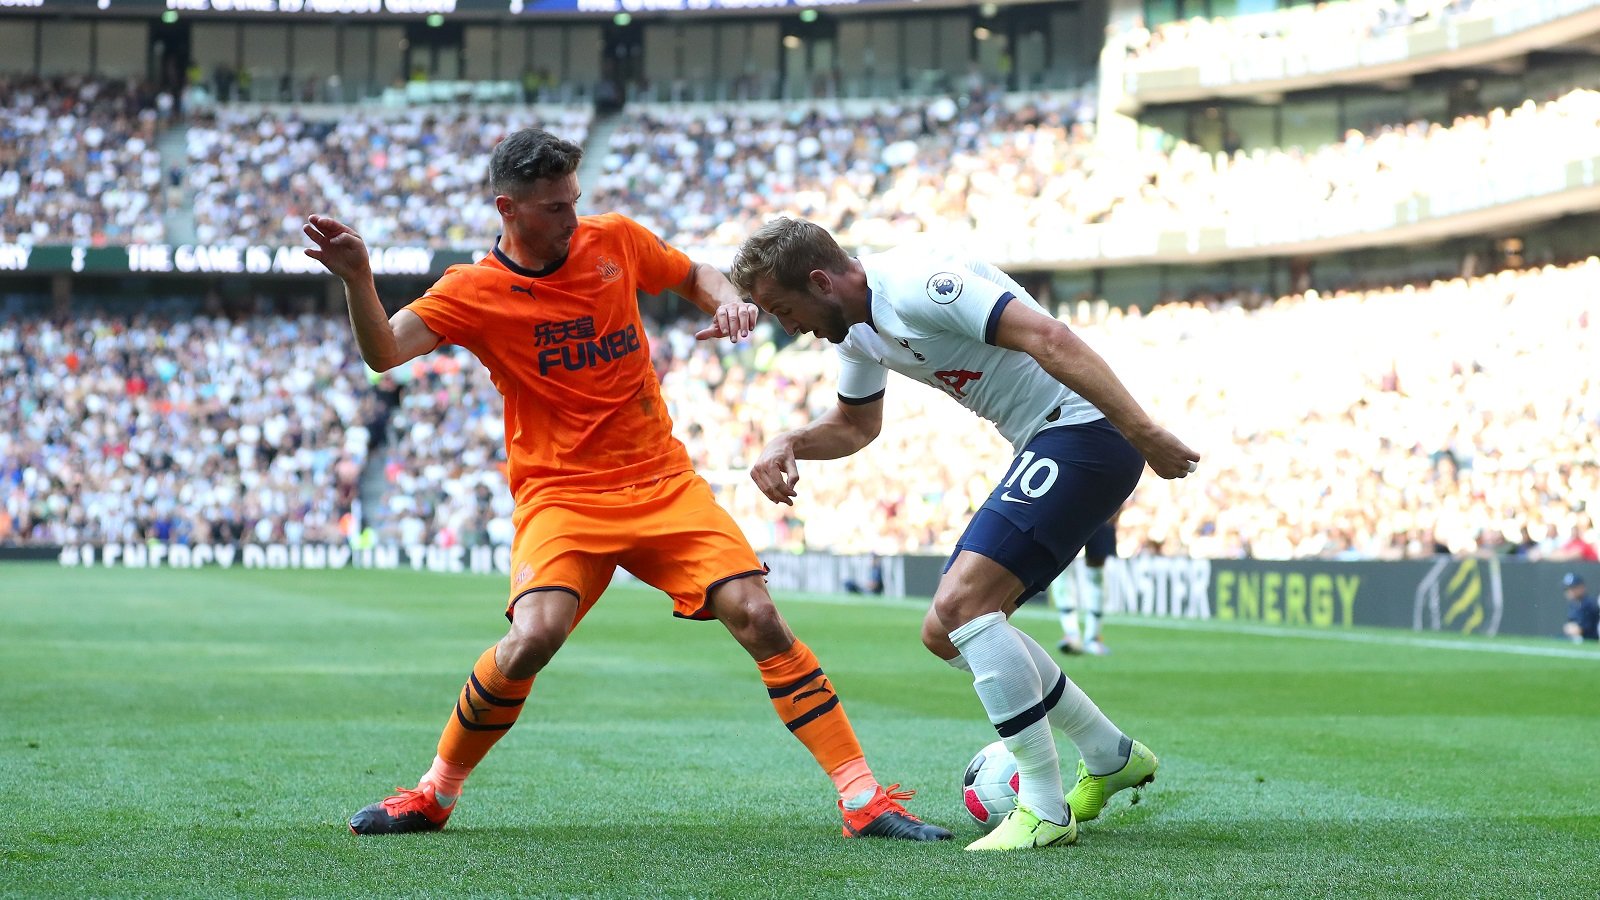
<point>671,534</point>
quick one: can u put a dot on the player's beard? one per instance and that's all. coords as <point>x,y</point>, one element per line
<point>837,329</point>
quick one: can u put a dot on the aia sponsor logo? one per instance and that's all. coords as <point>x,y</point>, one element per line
<point>954,381</point>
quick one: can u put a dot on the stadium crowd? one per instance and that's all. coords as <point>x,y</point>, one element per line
<point>1022,169</point>
<point>1460,416</point>
<point>708,177</point>
<point>79,163</point>
<point>191,431</point>
<point>443,460</point>
<point>1370,438</point>
<point>413,178</point>
<point>999,169</point>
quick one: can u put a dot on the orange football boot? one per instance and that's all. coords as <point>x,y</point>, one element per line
<point>883,816</point>
<point>407,811</point>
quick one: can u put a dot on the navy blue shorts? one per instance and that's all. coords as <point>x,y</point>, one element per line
<point>1102,545</point>
<point>1065,484</point>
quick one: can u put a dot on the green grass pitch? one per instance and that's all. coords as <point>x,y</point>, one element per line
<point>206,734</point>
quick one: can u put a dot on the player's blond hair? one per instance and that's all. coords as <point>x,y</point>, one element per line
<point>786,250</point>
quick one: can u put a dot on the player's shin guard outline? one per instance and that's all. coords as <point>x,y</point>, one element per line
<point>804,699</point>
<point>1008,683</point>
<point>486,708</point>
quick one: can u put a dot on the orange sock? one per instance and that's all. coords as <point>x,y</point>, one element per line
<point>485,711</point>
<point>806,703</point>
<point>447,779</point>
<point>854,781</point>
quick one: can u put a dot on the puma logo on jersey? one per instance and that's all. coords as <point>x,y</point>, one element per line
<point>519,289</point>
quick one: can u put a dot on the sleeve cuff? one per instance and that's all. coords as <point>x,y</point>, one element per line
<point>861,401</point>
<point>993,326</point>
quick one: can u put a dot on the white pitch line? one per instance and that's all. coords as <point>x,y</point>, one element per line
<point>1402,639</point>
<point>1363,637</point>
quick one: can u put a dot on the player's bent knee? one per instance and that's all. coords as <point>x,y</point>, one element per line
<point>936,639</point>
<point>530,645</point>
<point>954,609</point>
<point>757,619</point>
<point>527,653</point>
<point>746,609</point>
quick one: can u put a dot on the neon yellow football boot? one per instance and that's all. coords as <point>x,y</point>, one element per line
<point>1022,829</point>
<point>1090,794</point>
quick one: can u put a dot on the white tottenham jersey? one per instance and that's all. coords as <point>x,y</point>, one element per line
<point>934,317</point>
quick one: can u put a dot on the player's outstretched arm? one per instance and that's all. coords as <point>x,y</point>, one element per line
<point>838,432</point>
<point>385,342</point>
<point>1075,364</point>
<point>732,317</point>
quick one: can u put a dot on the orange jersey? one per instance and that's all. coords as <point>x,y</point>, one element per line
<point>567,350</point>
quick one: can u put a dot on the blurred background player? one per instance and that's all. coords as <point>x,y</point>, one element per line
<point>873,584</point>
<point>1583,614</point>
<point>1082,589</point>
<point>599,479</point>
<point>963,326</point>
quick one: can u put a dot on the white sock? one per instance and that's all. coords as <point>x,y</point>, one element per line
<point>1007,683</point>
<point>862,799</point>
<point>1064,593</point>
<point>1094,592</point>
<point>1099,742</point>
<point>960,662</point>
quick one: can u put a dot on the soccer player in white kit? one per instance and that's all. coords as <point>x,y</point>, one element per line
<point>1082,441</point>
<point>1083,588</point>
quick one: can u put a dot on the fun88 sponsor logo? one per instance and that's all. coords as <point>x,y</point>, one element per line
<point>577,347</point>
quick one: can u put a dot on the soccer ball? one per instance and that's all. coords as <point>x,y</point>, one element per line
<point>989,787</point>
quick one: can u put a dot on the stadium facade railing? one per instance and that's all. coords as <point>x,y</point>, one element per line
<point>1324,45</point>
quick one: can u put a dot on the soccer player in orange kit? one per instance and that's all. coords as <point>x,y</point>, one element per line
<point>598,478</point>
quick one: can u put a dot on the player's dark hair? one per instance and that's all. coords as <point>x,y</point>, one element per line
<point>786,250</point>
<point>528,155</point>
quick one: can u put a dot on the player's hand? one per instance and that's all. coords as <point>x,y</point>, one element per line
<point>776,473</point>
<point>1167,456</point>
<point>338,247</point>
<point>733,321</point>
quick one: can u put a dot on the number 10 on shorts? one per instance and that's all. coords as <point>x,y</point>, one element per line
<point>1036,475</point>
